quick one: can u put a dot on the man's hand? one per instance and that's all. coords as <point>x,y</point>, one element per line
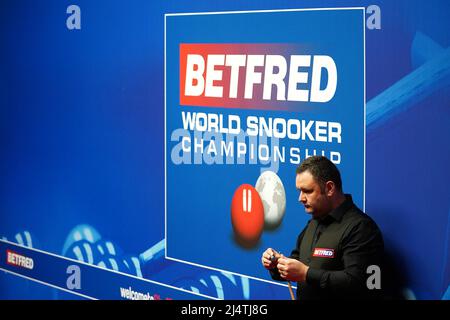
<point>292,269</point>
<point>266,260</point>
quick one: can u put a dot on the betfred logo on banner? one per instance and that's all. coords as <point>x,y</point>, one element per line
<point>253,76</point>
<point>18,260</point>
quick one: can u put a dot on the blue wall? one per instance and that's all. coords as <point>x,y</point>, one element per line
<point>82,136</point>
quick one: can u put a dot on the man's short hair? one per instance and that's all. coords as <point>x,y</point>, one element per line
<point>322,169</point>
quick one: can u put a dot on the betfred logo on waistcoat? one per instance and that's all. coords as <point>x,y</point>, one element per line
<point>323,253</point>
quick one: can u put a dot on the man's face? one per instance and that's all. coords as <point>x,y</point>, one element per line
<point>311,196</point>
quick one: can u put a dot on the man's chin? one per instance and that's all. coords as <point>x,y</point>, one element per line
<point>311,211</point>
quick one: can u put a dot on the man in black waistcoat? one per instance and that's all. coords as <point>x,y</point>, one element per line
<point>334,251</point>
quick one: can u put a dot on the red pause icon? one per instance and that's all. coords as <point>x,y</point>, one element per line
<point>247,215</point>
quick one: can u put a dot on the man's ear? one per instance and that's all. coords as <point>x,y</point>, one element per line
<point>330,188</point>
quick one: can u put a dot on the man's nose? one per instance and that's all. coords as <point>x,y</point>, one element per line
<point>302,197</point>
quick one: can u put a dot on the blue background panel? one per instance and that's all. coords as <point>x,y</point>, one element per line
<point>82,136</point>
<point>199,196</point>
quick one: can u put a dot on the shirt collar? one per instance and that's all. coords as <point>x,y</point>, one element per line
<point>337,213</point>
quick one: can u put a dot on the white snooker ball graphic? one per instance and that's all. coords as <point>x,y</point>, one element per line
<point>273,196</point>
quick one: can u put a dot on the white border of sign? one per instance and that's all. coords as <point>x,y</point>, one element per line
<point>165,119</point>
